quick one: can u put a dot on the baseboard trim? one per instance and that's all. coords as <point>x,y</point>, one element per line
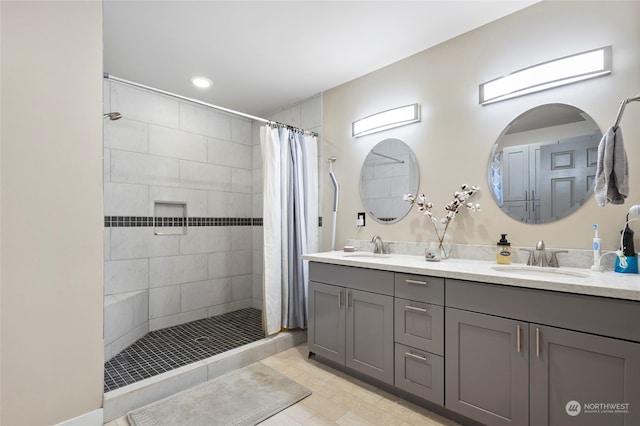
<point>92,418</point>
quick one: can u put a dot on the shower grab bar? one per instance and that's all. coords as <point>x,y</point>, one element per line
<point>336,194</point>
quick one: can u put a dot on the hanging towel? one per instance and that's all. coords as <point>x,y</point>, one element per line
<point>612,171</point>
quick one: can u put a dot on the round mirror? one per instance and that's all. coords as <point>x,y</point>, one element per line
<point>543,165</point>
<point>389,171</point>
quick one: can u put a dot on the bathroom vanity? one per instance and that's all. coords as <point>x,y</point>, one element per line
<point>508,346</point>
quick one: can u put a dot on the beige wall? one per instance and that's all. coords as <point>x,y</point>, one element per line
<point>454,138</point>
<point>51,217</point>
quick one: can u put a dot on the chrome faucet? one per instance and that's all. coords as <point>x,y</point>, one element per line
<point>541,258</point>
<point>542,254</point>
<point>378,245</point>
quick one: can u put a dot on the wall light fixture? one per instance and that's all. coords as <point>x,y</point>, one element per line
<point>558,72</point>
<point>384,120</point>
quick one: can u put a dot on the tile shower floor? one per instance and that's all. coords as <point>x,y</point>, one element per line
<point>164,350</point>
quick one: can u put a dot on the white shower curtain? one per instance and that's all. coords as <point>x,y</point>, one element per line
<point>290,223</point>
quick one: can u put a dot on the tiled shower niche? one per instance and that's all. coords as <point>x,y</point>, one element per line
<point>170,218</point>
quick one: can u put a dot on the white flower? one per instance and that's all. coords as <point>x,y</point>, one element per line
<point>452,208</point>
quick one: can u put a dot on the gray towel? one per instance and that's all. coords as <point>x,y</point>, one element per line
<point>612,172</point>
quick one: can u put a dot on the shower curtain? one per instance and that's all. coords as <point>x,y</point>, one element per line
<point>290,223</point>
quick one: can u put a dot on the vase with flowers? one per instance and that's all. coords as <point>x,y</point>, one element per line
<point>460,199</point>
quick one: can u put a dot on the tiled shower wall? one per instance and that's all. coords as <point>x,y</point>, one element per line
<point>164,149</point>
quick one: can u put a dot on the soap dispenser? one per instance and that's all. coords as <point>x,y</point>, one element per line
<point>503,251</point>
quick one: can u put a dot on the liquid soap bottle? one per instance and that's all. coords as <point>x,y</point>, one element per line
<point>503,251</point>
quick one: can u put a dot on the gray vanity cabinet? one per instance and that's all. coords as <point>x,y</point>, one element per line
<point>504,367</point>
<point>487,368</point>
<point>348,324</point>
<point>497,354</point>
<point>570,366</point>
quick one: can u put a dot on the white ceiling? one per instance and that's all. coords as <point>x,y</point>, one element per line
<point>265,55</point>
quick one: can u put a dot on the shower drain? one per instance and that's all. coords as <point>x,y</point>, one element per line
<point>201,339</point>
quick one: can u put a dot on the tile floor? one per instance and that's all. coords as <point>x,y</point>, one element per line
<point>169,348</point>
<point>337,398</point>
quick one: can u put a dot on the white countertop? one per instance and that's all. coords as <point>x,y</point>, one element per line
<point>585,281</point>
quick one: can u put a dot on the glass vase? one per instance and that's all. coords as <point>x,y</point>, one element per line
<point>443,240</point>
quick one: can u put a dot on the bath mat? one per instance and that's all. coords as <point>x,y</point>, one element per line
<point>243,397</point>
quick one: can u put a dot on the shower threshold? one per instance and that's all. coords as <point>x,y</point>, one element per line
<point>191,371</point>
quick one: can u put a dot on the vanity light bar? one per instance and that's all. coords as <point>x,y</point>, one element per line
<point>385,120</point>
<point>558,72</point>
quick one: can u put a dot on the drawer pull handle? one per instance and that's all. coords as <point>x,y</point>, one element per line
<point>518,338</point>
<point>416,282</point>
<point>414,308</point>
<point>538,342</point>
<point>421,358</point>
<point>339,299</point>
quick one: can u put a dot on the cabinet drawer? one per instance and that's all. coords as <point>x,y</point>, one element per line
<point>420,288</point>
<point>420,373</point>
<point>371,280</point>
<point>420,325</point>
<point>616,318</point>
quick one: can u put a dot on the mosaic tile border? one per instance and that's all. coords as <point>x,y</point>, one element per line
<point>149,221</point>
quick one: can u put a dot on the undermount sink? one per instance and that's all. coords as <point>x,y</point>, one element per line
<point>364,254</point>
<point>538,271</point>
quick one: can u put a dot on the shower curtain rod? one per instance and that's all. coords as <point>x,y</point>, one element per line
<point>623,103</point>
<point>108,76</point>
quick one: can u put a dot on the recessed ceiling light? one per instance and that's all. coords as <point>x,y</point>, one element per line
<point>201,82</point>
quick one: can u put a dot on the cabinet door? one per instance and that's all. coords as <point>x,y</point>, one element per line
<point>325,336</point>
<point>370,334</point>
<point>571,371</point>
<point>486,368</point>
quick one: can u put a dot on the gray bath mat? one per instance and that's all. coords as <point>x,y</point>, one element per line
<point>242,397</point>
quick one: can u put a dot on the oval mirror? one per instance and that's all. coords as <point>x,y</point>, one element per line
<point>543,165</point>
<point>389,171</point>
